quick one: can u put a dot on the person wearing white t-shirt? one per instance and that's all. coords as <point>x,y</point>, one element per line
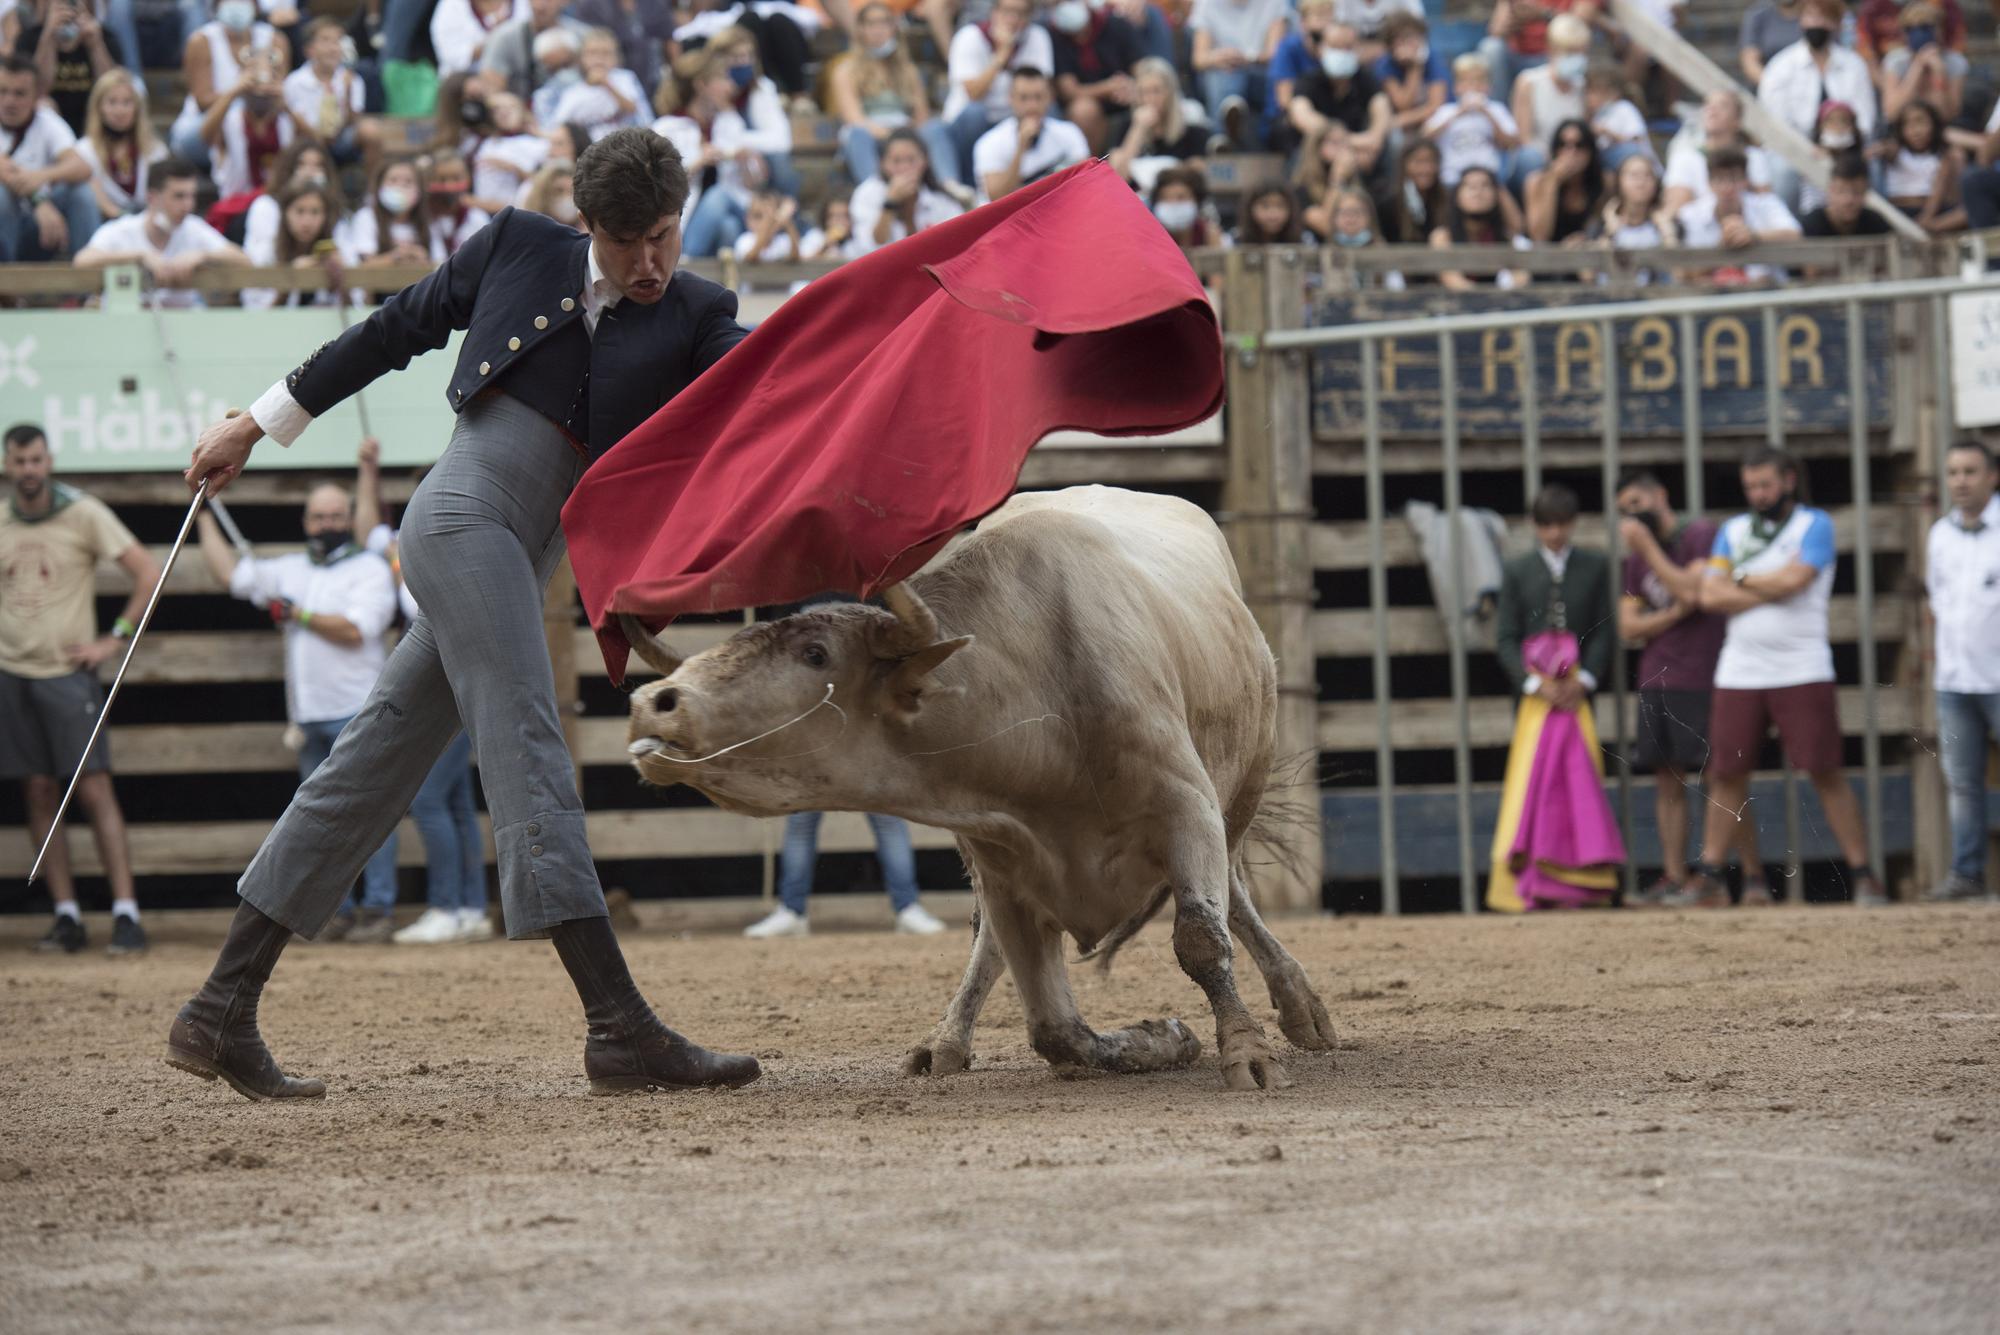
<point>1720,125</point>
<point>1771,575</point>
<point>771,232</point>
<point>167,239</point>
<point>325,95</point>
<point>904,197</point>
<point>1733,217</point>
<point>46,206</point>
<point>605,98</point>
<point>333,602</point>
<point>979,71</point>
<point>1026,147</point>
<point>1962,582</point>
<point>1474,130</point>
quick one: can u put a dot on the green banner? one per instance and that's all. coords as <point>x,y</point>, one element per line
<point>125,389</point>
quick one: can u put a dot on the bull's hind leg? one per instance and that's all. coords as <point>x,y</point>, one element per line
<point>1197,865</point>
<point>1034,956</point>
<point>1300,1013</point>
<point>949,1048</point>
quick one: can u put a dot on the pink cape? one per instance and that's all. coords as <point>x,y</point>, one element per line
<point>1566,820</point>
<point>892,402</point>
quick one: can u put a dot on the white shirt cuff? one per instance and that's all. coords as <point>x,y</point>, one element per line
<point>280,415</point>
<point>1589,682</point>
<point>1531,684</point>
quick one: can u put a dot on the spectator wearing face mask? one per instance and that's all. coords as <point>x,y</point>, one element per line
<point>1350,222</point>
<point>1297,55</point>
<point>1028,145</point>
<point>1812,71</point>
<point>118,144</point>
<point>1913,53</point>
<point>1343,92</point>
<point>325,95</point>
<point>393,225</point>
<point>1546,97</point>
<point>878,89</point>
<point>980,73</point>
<point>248,127</point>
<point>903,198</point>
<point>71,51</point>
<point>1838,132</point>
<point>213,66</point>
<point>1095,52</point>
<point>166,240</point>
<point>1180,202</point>
<point>1517,36</point>
<point>454,217</point>
<point>462,30</point>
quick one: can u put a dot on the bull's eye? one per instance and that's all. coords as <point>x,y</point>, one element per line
<point>815,655</point>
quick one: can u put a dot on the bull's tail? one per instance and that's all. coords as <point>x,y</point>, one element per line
<point>1269,831</point>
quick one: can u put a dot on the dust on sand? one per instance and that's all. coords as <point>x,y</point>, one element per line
<point>1747,1121</point>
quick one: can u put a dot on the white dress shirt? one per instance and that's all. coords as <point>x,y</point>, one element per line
<point>328,681</point>
<point>283,420</point>
<point>1963,582</point>
<point>1793,87</point>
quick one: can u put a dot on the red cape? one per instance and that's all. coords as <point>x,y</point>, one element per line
<point>892,402</point>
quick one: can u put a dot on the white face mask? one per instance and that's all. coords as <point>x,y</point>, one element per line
<point>1837,139</point>
<point>885,49</point>
<point>1176,215</point>
<point>395,199</point>
<point>563,210</point>
<point>1339,63</point>
<point>160,221</point>
<point>1572,67</point>
<point>1071,16</point>
<point>236,15</point>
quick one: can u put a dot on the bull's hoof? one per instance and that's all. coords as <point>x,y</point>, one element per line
<point>1247,1063</point>
<point>1304,1022</point>
<point>937,1058</point>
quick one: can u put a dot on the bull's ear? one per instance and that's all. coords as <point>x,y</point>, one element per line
<point>912,677</point>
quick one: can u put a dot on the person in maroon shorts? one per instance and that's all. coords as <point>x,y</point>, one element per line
<point>1665,565</point>
<point>1771,574</point>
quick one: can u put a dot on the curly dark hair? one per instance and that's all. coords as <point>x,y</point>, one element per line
<point>629,180</point>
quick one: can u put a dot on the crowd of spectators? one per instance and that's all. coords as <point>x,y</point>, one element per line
<point>1557,129</point>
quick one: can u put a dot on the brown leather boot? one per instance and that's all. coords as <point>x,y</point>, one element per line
<point>216,1033</point>
<point>627,1048</point>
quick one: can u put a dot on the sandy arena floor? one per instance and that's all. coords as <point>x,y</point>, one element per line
<point>1739,1121</point>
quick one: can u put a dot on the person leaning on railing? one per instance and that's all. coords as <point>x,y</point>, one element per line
<point>168,241</point>
<point>1733,217</point>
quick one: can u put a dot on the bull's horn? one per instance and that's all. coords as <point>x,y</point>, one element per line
<point>648,645</point>
<point>919,626</point>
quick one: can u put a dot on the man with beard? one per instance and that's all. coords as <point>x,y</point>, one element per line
<point>1771,575</point>
<point>1962,581</point>
<point>51,538</point>
<point>1665,563</point>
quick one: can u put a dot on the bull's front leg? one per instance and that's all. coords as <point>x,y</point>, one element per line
<point>949,1048</point>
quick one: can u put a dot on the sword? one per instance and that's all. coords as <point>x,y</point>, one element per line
<point>228,523</point>
<point>131,646</point>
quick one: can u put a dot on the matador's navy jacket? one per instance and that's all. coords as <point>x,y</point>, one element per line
<point>516,288</point>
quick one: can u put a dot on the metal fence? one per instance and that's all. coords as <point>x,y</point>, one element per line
<point>1916,308</point>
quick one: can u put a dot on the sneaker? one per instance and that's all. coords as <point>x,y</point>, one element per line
<point>66,935</point>
<point>917,920</point>
<point>127,936</point>
<point>1868,891</point>
<point>474,925</point>
<point>437,927</point>
<point>1757,895</point>
<point>1236,120</point>
<point>1955,889</point>
<point>1700,891</point>
<point>373,929</point>
<point>780,922</point>
<point>1654,895</point>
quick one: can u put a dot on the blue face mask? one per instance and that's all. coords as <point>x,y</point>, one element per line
<point>1361,238</point>
<point>742,75</point>
<point>1919,37</point>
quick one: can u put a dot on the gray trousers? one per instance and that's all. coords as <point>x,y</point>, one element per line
<point>480,540</point>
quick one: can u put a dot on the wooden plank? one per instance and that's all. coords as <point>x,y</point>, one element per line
<point>191,847</point>
<point>1349,725</point>
<point>1350,632</point>
<point>1343,545</point>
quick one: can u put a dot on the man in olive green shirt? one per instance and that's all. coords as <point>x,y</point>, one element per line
<point>51,539</point>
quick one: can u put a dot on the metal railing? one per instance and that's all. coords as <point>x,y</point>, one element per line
<point>1854,301</point>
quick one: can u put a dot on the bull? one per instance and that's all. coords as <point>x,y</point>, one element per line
<point>1077,691</point>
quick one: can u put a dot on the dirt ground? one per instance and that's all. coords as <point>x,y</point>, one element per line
<point>1742,1121</point>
